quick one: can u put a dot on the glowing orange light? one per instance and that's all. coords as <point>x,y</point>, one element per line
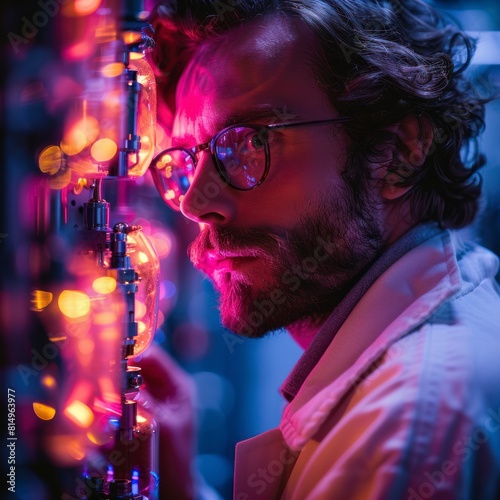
<point>44,412</point>
<point>79,413</point>
<point>40,300</point>
<point>73,141</point>
<point>105,318</point>
<point>80,135</point>
<point>80,184</point>
<point>141,327</point>
<point>170,194</point>
<point>57,338</point>
<point>143,258</point>
<point>141,419</point>
<point>103,150</point>
<point>112,69</point>
<point>98,438</point>
<point>86,346</point>
<point>74,304</point>
<point>131,37</point>
<point>86,7</point>
<point>48,381</point>
<point>78,50</point>
<point>104,284</point>
<point>50,160</point>
<point>65,449</point>
<point>136,55</point>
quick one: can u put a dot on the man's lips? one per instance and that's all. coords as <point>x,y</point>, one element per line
<point>227,261</point>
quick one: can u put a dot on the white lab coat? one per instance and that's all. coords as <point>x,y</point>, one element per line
<point>405,402</point>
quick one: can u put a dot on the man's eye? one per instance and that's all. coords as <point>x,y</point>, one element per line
<point>257,142</point>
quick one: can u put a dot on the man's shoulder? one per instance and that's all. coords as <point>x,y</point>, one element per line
<point>447,367</point>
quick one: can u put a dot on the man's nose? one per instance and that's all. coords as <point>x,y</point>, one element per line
<point>209,199</point>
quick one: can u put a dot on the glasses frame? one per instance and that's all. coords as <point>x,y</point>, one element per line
<point>210,146</point>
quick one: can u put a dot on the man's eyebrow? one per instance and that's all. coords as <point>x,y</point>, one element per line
<point>269,114</point>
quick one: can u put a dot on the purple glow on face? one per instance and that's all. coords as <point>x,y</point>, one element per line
<point>287,250</point>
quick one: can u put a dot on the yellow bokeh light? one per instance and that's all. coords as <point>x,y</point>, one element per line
<point>79,413</point>
<point>104,284</point>
<point>98,438</point>
<point>74,304</point>
<point>50,160</point>
<point>73,142</point>
<point>141,419</point>
<point>48,381</point>
<point>141,327</point>
<point>80,184</point>
<point>165,160</point>
<point>40,300</point>
<point>170,194</point>
<point>86,7</point>
<point>131,37</point>
<point>112,69</point>
<point>103,150</point>
<point>80,135</point>
<point>44,412</point>
<point>136,55</point>
<point>57,338</point>
<point>143,258</point>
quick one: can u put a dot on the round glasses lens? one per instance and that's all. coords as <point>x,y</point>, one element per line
<point>173,173</point>
<point>242,153</point>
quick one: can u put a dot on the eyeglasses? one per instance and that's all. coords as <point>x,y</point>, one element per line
<point>241,155</point>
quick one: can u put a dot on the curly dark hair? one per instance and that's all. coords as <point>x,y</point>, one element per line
<point>379,62</point>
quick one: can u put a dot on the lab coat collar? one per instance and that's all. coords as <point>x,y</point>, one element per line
<point>403,297</point>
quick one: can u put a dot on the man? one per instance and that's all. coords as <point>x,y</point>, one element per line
<point>318,145</point>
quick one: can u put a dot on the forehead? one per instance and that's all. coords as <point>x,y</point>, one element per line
<point>264,64</point>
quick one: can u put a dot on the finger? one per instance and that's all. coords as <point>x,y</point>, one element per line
<point>162,376</point>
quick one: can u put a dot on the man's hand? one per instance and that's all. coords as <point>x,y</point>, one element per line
<point>168,393</point>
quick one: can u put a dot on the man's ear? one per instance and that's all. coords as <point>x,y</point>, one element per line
<point>414,141</point>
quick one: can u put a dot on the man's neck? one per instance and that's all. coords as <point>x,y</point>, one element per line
<point>304,331</point>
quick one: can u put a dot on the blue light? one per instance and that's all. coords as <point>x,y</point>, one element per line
<point>135,482</point>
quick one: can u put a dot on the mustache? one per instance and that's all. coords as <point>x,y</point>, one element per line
<point>256,242</point>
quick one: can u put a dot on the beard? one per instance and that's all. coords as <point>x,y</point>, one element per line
<point>297,276</point>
